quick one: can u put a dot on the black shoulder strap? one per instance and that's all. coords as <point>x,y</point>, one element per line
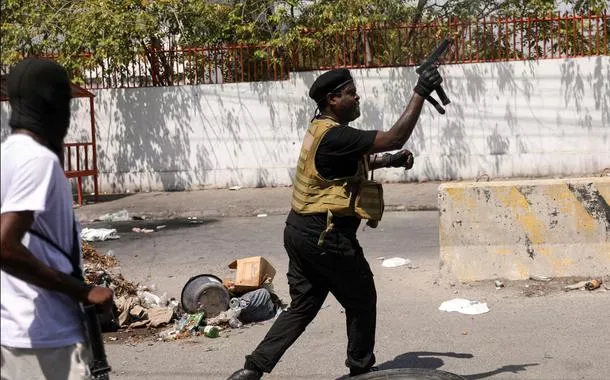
<point>74,256</point>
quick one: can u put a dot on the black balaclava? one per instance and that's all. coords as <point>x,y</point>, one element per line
<point>39,93</point>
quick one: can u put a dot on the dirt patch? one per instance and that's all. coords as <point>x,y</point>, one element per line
<point>538,288</point>
<point>127,336</point>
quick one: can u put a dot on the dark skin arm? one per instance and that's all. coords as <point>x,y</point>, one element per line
<point>400,132</point>
<point>18,261</point>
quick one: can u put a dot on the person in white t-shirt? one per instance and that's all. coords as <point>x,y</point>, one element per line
<point>42,321</point>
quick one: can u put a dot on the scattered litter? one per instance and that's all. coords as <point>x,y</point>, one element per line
<point>142,230</point>
<point>578,285</point>
<point>593,284</point>
<point>205,292</point>
<point>124,305</point>
<point>161,227</point>
<point>540,278</point>
<point>149,300</point>
<point>256,306</point>
<point>110,253</point>
<point>160,316</point>
<point>137,312</point>
<point>395,262</point>
<point>187,325</point>
<point>464,306</point>
<point>499,284</point>
<point>211,331</point>
<point>119,216</point>
<point>192,218</point>
<point>99,234</point>
<point>251,273</point>
<point>92,257</point>
<point>226,318</point>
<point>235,188</point>
<point>261,215</point>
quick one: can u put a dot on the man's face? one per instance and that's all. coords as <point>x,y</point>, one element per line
<point>346,103</point>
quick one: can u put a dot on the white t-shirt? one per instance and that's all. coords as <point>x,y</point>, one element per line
<point>32,180</point>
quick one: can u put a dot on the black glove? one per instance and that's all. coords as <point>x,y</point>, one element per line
<point>400,159</point>
<point>428,81</point>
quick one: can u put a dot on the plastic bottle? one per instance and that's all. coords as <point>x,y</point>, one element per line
<point>211,331</point>
<point>234,303</point>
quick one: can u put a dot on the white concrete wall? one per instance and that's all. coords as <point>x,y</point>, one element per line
<point>511,119</point>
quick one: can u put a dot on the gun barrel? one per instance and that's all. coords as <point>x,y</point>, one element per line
<point>436,54</point>
<point>99,365</point>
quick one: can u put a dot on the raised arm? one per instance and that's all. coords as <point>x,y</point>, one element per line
<point>400,132</point>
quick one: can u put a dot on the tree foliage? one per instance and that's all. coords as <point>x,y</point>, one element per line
<point>114,35</point>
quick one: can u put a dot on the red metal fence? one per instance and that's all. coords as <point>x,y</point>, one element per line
<point>193,65</point>
<point>487,40</point>
<point>379,45</point>
<point>80,161</point>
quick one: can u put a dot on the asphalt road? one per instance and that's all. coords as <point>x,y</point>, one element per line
<point>541,334</point>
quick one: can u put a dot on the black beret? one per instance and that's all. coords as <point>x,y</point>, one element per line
<point>329,82</point>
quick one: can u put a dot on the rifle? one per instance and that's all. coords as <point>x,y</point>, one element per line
<point>99,365</point>
<point>437,54</point>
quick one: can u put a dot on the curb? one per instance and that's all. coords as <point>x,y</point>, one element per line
<point>202,214</point>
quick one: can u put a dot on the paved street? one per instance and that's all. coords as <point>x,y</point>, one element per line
<point>554,336</point>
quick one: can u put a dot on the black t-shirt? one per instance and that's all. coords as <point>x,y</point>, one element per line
<point>338,156</point>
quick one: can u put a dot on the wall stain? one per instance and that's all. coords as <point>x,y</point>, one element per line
<point>593,202</point>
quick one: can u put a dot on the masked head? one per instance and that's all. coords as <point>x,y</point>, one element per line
<point>335,93</point>
<point>39,93</point>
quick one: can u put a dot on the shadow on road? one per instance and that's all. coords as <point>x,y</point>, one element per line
<point>513,368</point>
<point>431,360</point>
<point>421,359</point>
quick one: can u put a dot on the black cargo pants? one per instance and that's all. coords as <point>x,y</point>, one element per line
<point>338,267</point>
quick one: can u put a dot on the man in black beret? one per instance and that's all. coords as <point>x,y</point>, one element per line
<point>332,194</point>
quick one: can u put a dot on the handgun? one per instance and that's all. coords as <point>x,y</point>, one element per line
<point>436,55</point>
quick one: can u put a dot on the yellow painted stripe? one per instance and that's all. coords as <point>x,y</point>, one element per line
<point>568,204</point>
<point>513,200</point>
<point>604,191</point>
<point>460,196</point>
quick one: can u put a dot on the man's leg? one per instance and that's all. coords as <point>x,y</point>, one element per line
<point>63,363</point>
<point>307,298</point>
<point>355,290</point>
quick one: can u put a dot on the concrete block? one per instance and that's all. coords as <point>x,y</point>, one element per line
<point>514,229</point>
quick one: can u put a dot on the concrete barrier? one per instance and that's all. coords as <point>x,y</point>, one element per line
<point>514,229</point>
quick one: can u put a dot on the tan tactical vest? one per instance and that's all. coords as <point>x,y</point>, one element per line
<point>346,196</point>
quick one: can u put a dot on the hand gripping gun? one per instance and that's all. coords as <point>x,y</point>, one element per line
<point>436,55</point>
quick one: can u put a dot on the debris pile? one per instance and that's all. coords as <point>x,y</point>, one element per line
<point>212,305</point>
<point>134,305</point>
<point>207,306</point>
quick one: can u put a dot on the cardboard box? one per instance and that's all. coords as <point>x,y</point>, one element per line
<point>252,273</point>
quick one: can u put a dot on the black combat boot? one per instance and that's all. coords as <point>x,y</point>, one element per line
<point>246,374</point>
